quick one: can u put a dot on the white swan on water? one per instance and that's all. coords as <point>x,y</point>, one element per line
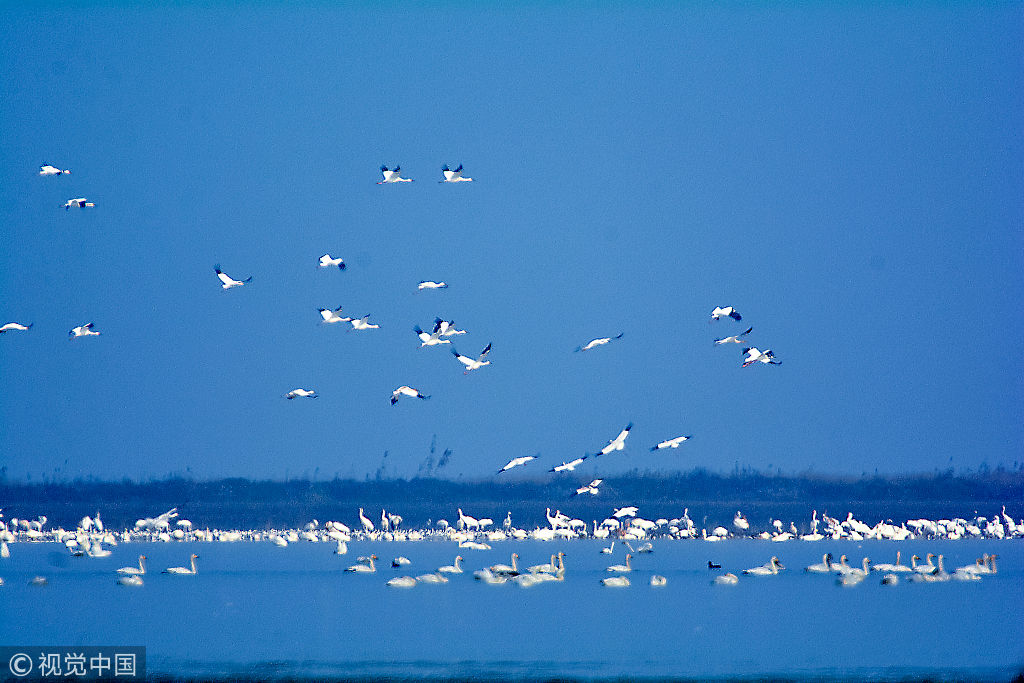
<point>772,567</point>
<point>824,567</point>
<point>727,579</point>
<point>183,570</point>
<point>455,568</point>
<point>615,581</point>
<point>402,582</point>
<point>505,569</point>
<point>621,568</point>
<point>141,569</point>
<point>130,580</point>
<point>364,568</point>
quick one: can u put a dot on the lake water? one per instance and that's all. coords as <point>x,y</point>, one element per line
<point>255,610</point>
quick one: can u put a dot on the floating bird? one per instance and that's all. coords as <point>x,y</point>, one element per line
<point>598,342</point>
<point>712,565</point>
<point>736,338</point>
<point>728,310</point>
<point>141,569</point>
<point>78,202</point>
<point>330,316</point>
<point>756,356</point>
<point>671,443</point>
<point>405,391</point>
<point>615,581</point>
<point>590,488</point>
<point>364,568</point>
<point>727,579</point>
<point>621,568</point>
<point>393,175</point>
<point>400,561</point>
<point>455,176</point>
<point>772,567</point>
<point>131,580</point>
<point>47,169</point>
<point>183,570</point>
<point>569,466</point>
<point>516,462</point>
<point>14,326</point>
<point>505,569</point>
<point>430,284</point>
<point>402,582</point>
<point>432,339</point>
<point>470,363</point>
<point>658,580</point>
<point>300,393</point>
<point>227,282</point>
<point>454,568</point>
<point>363,323</point>
<point>82,331</point>
<point>618,443</point>
<point>446,328</point>
<point>326,262</point>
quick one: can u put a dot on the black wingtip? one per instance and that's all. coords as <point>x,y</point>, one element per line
<point>735,316</point>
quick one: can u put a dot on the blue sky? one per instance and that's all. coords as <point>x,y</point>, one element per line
<point>848,177</point>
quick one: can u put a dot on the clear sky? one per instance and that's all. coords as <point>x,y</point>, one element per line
<point>848,177</point>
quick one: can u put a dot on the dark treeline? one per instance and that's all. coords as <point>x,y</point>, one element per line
<point>711,497</point>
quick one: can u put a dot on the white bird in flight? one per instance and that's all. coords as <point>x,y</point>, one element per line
<point>82,331</point>
<point>618,443</point>
<point>430,284</point>
<point>455,176</point>
<point>363,323</point>
<point>446,328</point>
<point>516,462</point>
<point>47,169</point>
<point>405,391</point>
<point>598,342</point>
<point>432,339</point>
<point>326,262</point>
<point>728,310</point>
<point>300,393</point>
<point>671,443</point>
<point>393,175</point>
<point>228,282</point>
<point>736,338</point>
<point>470,363</point>
<point>590,488</point>
<point>330,316</point>
<point>79,202</point>
<point>14,326</point>
<point>756,356</point>
<point>568,466</point>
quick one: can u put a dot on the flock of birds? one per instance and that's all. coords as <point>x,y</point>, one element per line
<point>441,333</point>
<point>91,539</point>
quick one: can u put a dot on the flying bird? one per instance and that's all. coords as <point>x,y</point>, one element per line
<point>455,176</point>
<point>393,175</point>
<point>79,202</point>
<point>568,466</point>
<point>363,323</point>
<point>326,262</point>
<point>228,282</point>
<point>618,443</point>
<point>590,488</point>
<point>14,326</point>
<point>446,328</point>
<point>728,310</point>
<point>330,316</point>
<point>756,356</point>
<point>432,339</point>
<point>598,342</point>
<point>516,462</point>
<point>82,331</point>
<point>430,284</point>
<point>671,443</point>
<point>405,391</point>
<point>736,338</point>
<point>300,393</point>
<point>470,363</point>
<point>47,169</point>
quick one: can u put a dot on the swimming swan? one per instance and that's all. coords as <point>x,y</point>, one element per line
<point>183,570</point>
<point>141,569</point>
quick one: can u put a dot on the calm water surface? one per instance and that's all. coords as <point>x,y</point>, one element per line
<point>259,611</point>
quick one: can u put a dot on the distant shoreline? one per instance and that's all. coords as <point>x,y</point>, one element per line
<point>237,503</point>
